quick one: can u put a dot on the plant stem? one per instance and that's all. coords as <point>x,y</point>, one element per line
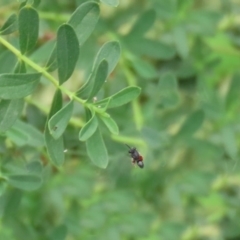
<point>47,75</point>
<point>137,113</point>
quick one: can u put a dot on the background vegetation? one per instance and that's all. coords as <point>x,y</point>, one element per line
<point>185,57</point>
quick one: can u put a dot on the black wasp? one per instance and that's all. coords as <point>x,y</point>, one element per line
<point>136,157</point>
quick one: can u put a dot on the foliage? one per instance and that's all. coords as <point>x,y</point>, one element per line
<point>79,80</point>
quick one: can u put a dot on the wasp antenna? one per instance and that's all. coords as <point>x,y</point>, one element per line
<point>128,146</point>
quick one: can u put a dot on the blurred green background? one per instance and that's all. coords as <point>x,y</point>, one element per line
<point>185,55</point>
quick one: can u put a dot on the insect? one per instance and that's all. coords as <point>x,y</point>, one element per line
<point>136,157</point>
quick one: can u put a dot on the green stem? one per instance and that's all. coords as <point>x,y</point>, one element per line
<point>47,75</point>
<point>129,140</point>
<point>131,79</point>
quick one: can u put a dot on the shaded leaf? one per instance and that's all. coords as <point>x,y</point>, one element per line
<point>7,60</point>
<point>229,141</point>
<point>29,134</point>
<point>55,147</point>
<point>84,20</point>
<point>67,52</point>
<point>233,92</point>
<point>19,85</point>
<point>110,124</point>
<point>25,182</point>
<point>88,129</point>
<point>120,98</point>
<point>28,24</point>
<point>36,3</point>
<point>35,167</point>
<point>100,77</point>
<point>17,136</point>
<point>181,43</point>
<point>143,23</point>
<point>110,52</point>
<point>9,112</point>
<point>10,25</point>
<point>191,124</point>
<point>59,233</point>
<point>59,121</point>
<point>150,48</point>
<point>20,67</point>
<point>168,90</point>
<point>96,150</point>
<point>10,201</point>
<point>144,68</point>
<point>52,63</point>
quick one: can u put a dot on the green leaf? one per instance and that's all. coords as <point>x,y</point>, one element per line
<point>110,52</point>
<point>28,24</point>
<point>10,25</point>
<point>96,150</point>
<point>55,147</point>
<point>191,124</point>
<point>143,68</point>
<point>110,124</point>
<point>52,63</point>
<point>181,42</point>
<point>67,52</point>
<point>36,3</point>
<point>19,85</point>
<point>17,136</point>
<point>88,129</point>
<point>100,77</point>
<point>59,233</point>
<point>59,121</point>
<point>168,90</point>
<point>25,182</point>
<point>35,167</point>
<point>144,23</point>
<point>233,93</point>
<point>25,134</point>
<point>84,20</point>
<point>20,67</point>
<point>7,60</point>
<point>9,112</point>
<point>120,98</point>
<point>113,3</point>
<point>10,202</point>
<point>229,141</point>
<point>150,48</point>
